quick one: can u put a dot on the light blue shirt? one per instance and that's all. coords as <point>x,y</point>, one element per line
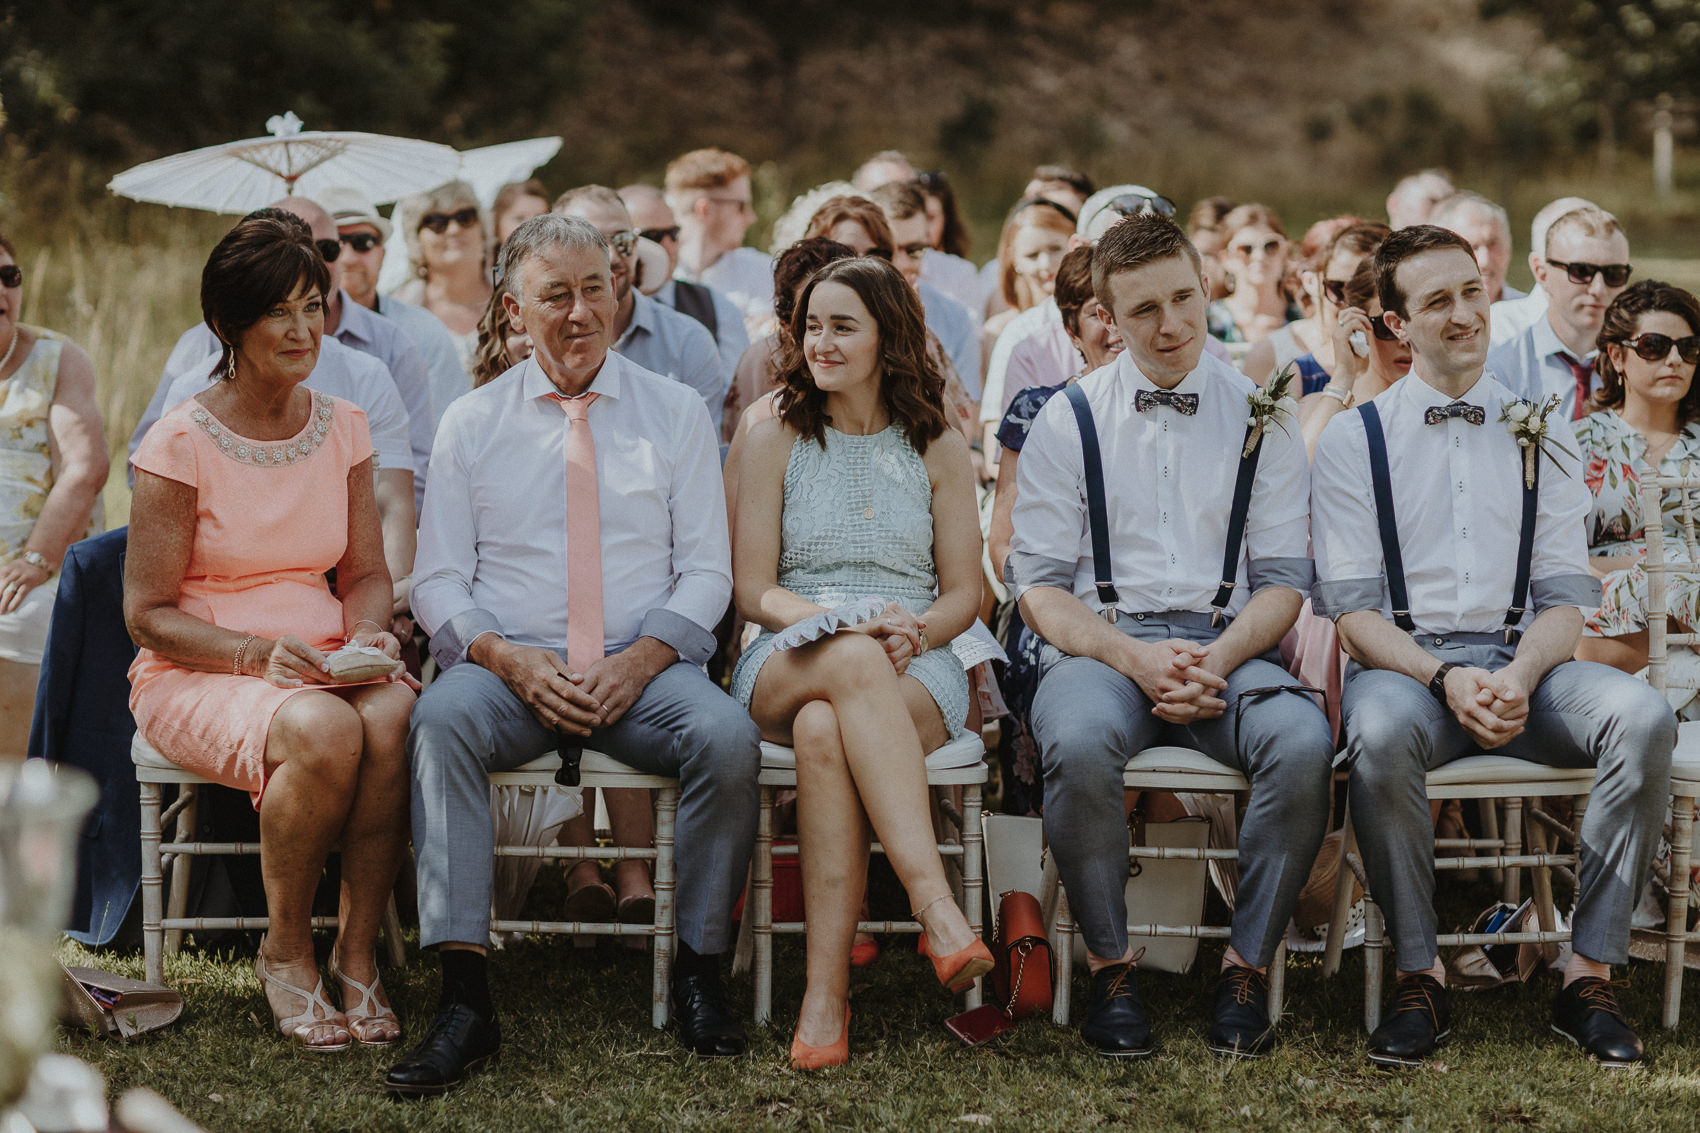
<point>665,342</point>
<point>1533,367</point>
<point>729,331</point>
<point>954,327</point>
<point>448,377</point>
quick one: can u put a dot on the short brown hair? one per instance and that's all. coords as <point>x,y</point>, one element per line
<point>1403,244</point>
<point>900,200</point>
<point>1131,243</point>
<point>910,384</point>
<point>837,210</point>
<point>1074,287</point>
<point>1618,326</point>
<point>1593,222</point>
<point>257,265</point>
<point>710,168</point>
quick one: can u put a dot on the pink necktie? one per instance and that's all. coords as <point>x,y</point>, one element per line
<point>1583,372</point>
<point>584,538</point>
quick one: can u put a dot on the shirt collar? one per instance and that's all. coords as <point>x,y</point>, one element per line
<point>1546,342</point>
<point>1130,379</point>
<point>645,318</point>
<point>1487,392</point>
<point>355,329</point>
<point>534,383</point>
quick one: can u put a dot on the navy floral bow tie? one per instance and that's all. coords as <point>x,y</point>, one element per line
<point>1186,403</point>
<point>1472,414</point>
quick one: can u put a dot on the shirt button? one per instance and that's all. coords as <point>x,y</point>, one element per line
<point>1440,641</point>
<point>1460,485</point>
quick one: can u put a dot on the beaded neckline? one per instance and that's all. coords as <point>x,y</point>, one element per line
<point>270,454</point>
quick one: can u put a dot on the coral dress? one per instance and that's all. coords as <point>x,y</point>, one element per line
<point>271,517</point>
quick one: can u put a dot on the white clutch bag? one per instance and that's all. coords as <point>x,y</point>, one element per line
<point>817,626</point>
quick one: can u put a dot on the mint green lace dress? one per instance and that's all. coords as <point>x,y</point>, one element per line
<point>858,523</point>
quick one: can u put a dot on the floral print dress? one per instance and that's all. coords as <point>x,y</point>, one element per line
<point>1614,460</point>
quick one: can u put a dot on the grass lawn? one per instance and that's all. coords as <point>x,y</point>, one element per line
<point>579,1054</point>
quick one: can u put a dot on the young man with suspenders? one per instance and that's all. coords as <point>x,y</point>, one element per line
<point>1456,569</point>
<point>1160,551</point>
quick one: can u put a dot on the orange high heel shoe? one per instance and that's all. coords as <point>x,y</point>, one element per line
<point>806,1057</point>
<point>963,966</point>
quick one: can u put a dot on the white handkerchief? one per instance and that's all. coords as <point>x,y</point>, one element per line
<point>821,625</point>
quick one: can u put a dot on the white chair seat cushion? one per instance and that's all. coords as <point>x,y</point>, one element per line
<point>1176,760</point>
<point>1504,769</point>
<point>144,754</point>
<point>1685,760</point>
<point>591,763</point>
<point>964,752</point>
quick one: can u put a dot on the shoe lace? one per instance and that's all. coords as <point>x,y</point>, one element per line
<point>1414,995</point>
<point>1602,995</point>
<point>1117,987</point>
<point>1245,983</point>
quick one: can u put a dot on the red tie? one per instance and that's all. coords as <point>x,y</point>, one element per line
<point>584,537</point>
<point>1583,372</point>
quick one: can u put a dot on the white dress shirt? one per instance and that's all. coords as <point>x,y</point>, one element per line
<point>745,276</point>
<point>493,538</point>
<point>956,331</point>
<point>957,278</point>
<point>341,371</point>
<point>1511,316</point>
<point>1033,350</point>
<point>1169,489</point>
<point>729,332</point>
<point>1458,500</point>
<point>1532,366</point>
<point>663,341</point>
<point>447,376</point>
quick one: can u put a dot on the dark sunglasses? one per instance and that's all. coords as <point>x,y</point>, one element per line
<point>11,276</point>
<point>438,222</point>
<point>1655,347</point>
<point>1335,289</point>
<point>623,241</point>
<point>1136,204</point>
<point>1616,274</point>
<point>1270,247</point>
<point>657,235</point>
<point>361,242</point>
<point>1381,329</point>
<point>329,249</point>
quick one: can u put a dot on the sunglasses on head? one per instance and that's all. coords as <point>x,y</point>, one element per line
<point>361,242</point>
<point>623,241</point>
<point>657,235</point>
<point>1655,347</point>
<point>1137,204</point>
<point>438,222</point>
<point>1616,274</point>
<point>11,276</point>
<point>329,249</point>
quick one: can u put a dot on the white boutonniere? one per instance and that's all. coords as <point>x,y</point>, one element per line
<point>1269,405</point>
<point>1526,421</point>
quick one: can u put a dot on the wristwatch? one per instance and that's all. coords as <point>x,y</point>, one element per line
<point>37,560</point>
<point>1437,683</point>
<point>1344,398</point>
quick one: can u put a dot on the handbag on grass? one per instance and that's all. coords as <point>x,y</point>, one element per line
<point>116,1007</point>
<point>1022,972</point>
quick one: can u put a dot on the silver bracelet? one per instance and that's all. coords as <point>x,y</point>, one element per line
<point>241,651</point>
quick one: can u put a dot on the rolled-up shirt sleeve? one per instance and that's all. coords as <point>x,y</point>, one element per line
<point>1345,539</point>
<point>1050,520</point>
<point>702,553</point>
<point>447,556</point>
<point>1277,539</point>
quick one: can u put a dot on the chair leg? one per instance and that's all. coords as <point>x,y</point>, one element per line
<point>1488,811</point>
<point>394,947</point>
<point>1062,950</point>
<point>760,908</point>
<point>666,886</point>
<point>1512,888</point>
<point>177,900</point>
<point>1540,881</point>
<point>973,872</point>
<point>1277,984</point>
<point>1676,914</point>
<point>1373,945</point>
<point>1336,942</point>
<point>153,900</point>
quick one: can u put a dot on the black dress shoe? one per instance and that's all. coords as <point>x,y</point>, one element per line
<point>705,1023</point>
<point>1586,1012</point>
<point>459,1042</point>
<point>1421,1020</point>
<point>1115,1022</point>
<point>1241,1027</point>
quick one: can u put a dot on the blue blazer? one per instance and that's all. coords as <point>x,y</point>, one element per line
<point>82,718</point>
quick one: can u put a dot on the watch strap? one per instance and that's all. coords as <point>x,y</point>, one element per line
<point>1437,683</point>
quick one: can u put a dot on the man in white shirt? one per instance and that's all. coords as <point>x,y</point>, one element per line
<point>1488,230</point>
<point>1584,266</point>
<point>1511,317</point>
<point>1461,615</point>
<point>655,223</point>
<point>363,232</point>
<point>709,192</point>
<point>657,338</point>
<point>347,321</point>
<point>1135,657</point>
<point>497,573</point>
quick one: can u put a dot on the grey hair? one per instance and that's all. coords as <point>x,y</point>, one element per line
<point>1463,201</point>
<point>541,233</point>
<point>447,197</point>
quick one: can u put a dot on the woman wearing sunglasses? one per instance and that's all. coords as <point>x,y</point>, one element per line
<point>1647,421</point>
<point>52,467</point>
<point>1256,254</point>
<point>1328,255</point>
<point>1356,377</point>
<point>448,243</point>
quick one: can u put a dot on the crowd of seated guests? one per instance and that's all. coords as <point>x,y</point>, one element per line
<point>655,432</point>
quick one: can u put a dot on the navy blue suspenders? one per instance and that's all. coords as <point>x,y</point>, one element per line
<point>1387,523</point>
<point>1098,516</point>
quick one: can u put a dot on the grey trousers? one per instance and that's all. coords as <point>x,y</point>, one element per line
<point>468,724</point>
<point>1581,715</point>
<point>1089,720</point>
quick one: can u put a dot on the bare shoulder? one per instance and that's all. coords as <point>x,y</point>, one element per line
<point>947,455</point>
<point>769,436</point>
<point>75,367</point>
